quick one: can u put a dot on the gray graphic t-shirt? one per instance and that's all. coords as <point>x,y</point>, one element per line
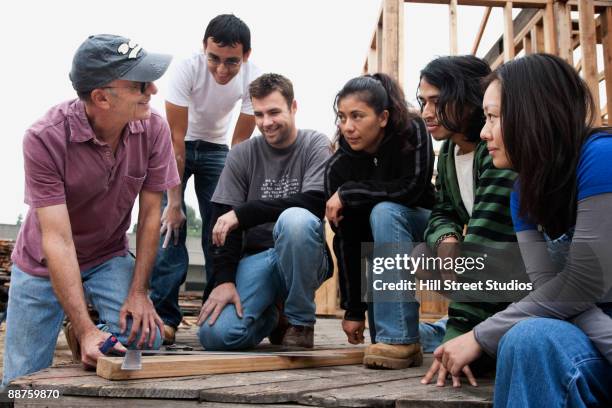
<point>254,170</point>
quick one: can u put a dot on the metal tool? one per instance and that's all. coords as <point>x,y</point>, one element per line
<point>132,360</point>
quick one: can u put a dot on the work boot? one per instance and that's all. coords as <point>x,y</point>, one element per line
<point>276,337</point>
<point>169,335</point>
<point>299,336</point>
<point>73,343</point>
<point>393,356</point>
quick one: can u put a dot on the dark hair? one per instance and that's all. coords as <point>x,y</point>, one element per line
<point>84,96</point>
<point>268,83</point>
<point>380,92</point>
<point>227,29</point>
<point>459,79</point>
<point>547,112</point>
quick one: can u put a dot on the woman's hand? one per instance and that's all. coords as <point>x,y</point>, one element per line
<point>454,357</point>
<point>333,209</point>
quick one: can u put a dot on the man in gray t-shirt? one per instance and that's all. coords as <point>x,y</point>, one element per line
<point>268,245</point>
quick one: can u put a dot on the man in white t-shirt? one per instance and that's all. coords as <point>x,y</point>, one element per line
<point>202,94</point>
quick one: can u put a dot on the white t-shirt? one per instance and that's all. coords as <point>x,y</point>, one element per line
<point>464,166</point>
<point>210,104</point>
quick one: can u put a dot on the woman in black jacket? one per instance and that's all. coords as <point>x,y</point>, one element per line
<point>378,185</point>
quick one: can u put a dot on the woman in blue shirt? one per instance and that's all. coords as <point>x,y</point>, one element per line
<point>554,347</point>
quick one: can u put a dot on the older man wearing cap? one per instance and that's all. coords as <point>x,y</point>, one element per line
<point>86,161</point>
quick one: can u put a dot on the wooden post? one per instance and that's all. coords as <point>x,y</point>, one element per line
<point>508,33</point>
<point>452,27</point>
<point>606,43</point>
<point>537,38</point>
<point>564,31</point>
<point>550,42</point>
<point>588,43</point>
<point>391,38</point>
<point>527,44</point>
<point>483,24</point>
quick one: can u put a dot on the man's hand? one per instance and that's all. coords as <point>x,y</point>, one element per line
<point>90,343</point>
<point>219,297</point>
<point>144,318</point>
<point>353,330</point>
<point>172,220</point>
<point>454,357</point>
<point>224,225</point>
<point>333,209</point>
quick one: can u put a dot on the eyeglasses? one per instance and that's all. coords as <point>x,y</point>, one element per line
<point>142,86</point>
<point>230,63</point>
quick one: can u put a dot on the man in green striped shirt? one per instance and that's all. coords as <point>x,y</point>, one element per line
<point>472,196</point>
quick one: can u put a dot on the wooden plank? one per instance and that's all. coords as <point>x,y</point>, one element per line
<point>487,3</point>
<point>291,391</point>
<point>563,25</point>
<point>327,296</point>
<point>600,5</point>
<point>176,366</point>
<point>481,28</point>
<point>550,34</point>
<point>183,388</point>
<point>588,43</point>
<point>391,38</point>
<point>84,402</point>
<point>606,42</point>
<point>508,33</point>
<point>452,27</point>
<point>405,393</point>
<point>537,38</point>
<point>527,45</point>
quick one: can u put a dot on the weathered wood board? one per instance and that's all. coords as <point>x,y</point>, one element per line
<point>179,366</point>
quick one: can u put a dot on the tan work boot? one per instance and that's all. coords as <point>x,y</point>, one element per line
<point>299,336</point>
<point>394,356</point>
<point>73,343</point>
<point>169,335</point>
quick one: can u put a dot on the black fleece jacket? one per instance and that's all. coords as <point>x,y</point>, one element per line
<point>397,173</point>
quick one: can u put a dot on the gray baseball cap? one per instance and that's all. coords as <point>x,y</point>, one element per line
<point>103,58</point>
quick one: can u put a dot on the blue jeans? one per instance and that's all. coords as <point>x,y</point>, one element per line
<point>396,320</point>
<point>570,371</point>
<point>205,162</point>
<point>35,316</point>
<point>289,272</point>
<point>550,363</point>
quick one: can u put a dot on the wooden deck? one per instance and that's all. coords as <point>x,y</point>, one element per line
<point>347,386</point>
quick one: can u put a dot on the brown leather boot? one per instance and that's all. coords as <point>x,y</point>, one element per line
<point>277,335</point>
<point>393,356</point>
<point>299,336</point>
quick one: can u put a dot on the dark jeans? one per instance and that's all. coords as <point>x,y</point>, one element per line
<point>205,162</point>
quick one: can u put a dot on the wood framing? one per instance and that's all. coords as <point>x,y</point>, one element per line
<point>508,33</point>
<point>588,42</point>
<point>563,25</point>
<point>606,41</point>
<point>452,27</point>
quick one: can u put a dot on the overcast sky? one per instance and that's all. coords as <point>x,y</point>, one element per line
<point>318,44</point>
